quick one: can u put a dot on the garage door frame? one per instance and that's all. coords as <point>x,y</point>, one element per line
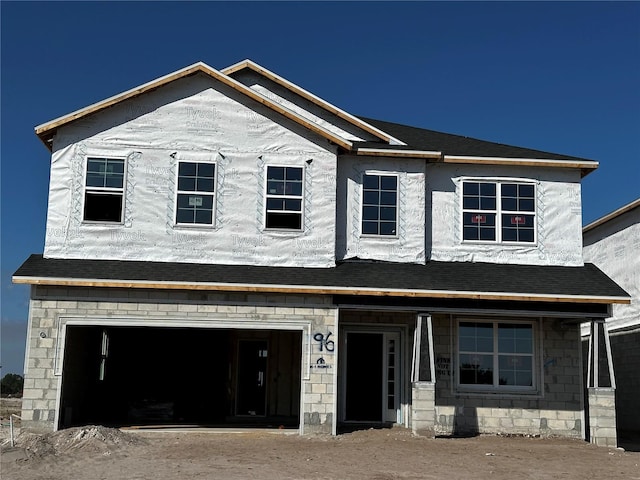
<point>177,322</point>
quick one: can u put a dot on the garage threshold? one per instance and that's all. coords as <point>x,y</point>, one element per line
<point>213,430</point>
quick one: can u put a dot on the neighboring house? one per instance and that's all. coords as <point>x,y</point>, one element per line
<point>613,244</point>
<point>225,247</point>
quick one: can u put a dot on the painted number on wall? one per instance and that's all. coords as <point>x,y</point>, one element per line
<point>323,342</point>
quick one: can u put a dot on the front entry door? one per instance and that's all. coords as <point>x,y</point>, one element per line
<point>371,380</point>
<point>252,377</point>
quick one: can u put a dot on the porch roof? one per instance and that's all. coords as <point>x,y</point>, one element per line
<point>464,280</point>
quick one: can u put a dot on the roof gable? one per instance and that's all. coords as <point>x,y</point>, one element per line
<point>47,130</point>
<point>301,92</point>
<point>395,140</point>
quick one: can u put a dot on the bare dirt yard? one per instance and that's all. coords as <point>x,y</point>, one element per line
<point>100,453</point>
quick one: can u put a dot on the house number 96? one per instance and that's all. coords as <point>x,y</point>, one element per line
<point>324,342</point>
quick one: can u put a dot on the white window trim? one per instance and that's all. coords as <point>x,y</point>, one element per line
<point>498,211</point>
<point>535,389</point>
<point>104,190</point>
<point>380,174</point>
<point>293,197</point>
<point>214,193</point>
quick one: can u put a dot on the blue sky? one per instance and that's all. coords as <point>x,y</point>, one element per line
<point>559,77</point>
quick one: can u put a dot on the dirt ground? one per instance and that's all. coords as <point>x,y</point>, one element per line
<point>102,454</point>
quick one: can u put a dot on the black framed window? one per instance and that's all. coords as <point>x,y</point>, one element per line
<point>284,197</point>
<point>195,201</point>
<point>496,355</point>
<point>104,190</point>
<point>379,204</point>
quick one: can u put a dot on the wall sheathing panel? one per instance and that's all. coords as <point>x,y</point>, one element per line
<point>53,308</point>
<point>558,216</point>
<point>199,120</point>
<point>407,245</point>
<point>614,248</point>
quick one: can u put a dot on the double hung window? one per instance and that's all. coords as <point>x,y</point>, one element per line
<point>196,193</point>
<point>501,212</point>
<point>104,190</point>
<point>379,204</point>
<point>496,355</point>
<point>284,197</point>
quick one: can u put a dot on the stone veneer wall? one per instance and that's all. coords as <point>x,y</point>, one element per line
<point>556,410</point>
<point>50,304</point>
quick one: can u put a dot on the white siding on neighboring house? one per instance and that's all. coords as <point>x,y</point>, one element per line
<point>614,247</point>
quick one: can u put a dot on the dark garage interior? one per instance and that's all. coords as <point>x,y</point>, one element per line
<point>160,376</point>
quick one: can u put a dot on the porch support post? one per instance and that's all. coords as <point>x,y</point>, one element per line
<point>601,387</point>
<point>423,378</point>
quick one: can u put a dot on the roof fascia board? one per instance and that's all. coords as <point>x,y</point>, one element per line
<point>474,311</point>
<point>384,152</point>
<point>43,129</point>
<point>610,216</point>
<point>318,290</point>
<point>312,98</point>
<point>47,127</point>
<point>529,162</point>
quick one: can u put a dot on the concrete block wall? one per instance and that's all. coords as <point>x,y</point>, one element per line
<point>602,417</point>
<point>423,412</point>
<point>556,408</point>
<point>50,304</point>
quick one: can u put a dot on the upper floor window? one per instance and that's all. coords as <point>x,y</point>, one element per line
<point>498,212</point>
<point>196,193</point>
<point>284,198</point>
<point>379,204</point>
<point>496,355</point>
<point>104,190</point>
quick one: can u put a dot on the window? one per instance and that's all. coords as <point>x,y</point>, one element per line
<point>284,198</point>
<point>379,204</point>
<point>496,355</point>
<point>196,191</point>
<point>498,212</point>
<point>104,190</point>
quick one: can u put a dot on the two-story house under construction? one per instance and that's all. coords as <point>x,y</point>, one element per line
<point>224,247</point>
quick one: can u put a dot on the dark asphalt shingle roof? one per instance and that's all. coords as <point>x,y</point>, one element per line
<point>449,144</point>
<point>434,276</point>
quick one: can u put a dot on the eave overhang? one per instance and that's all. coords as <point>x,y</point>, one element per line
<point>316,290</point>
<point>585,167</point>
<point>610,216</point>
<point>443,280</point>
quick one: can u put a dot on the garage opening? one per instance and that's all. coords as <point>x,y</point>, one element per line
<point>152,376</point>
